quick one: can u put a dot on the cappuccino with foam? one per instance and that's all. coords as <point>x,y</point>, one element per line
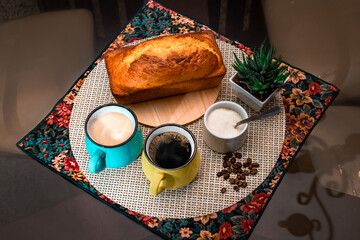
<point>110,128</point>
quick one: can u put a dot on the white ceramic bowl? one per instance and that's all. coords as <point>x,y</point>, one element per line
<point>223,144</point>
<point>248,98</point>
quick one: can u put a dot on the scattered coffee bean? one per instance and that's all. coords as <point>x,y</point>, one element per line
<point>229,154</point>
<point>238,155</point>
<point>225,158</point>
<point>241,170</point>
<point>253,171</point>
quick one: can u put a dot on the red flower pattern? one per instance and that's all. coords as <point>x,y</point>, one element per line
<point>247,224</point>
<point>328,100</point>
<point>64,121</point>
<point>225,231</point>
<point>318,113</point>
<point>314,88</point>
<point>261,198</point>
<point>251,206</point>
<point>51,119</point>
<point>106,198</point>
<point>287,151</point>
<point>149,221</point>
<point>70,164</point>
<point>63,109</point>
<point>230,209</point>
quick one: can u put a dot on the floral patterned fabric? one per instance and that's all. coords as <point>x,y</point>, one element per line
<point>305,98</point>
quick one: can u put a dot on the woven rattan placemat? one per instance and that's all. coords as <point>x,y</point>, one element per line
<point>128,186</point>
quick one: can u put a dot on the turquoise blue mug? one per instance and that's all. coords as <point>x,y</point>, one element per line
<point>113,137</point>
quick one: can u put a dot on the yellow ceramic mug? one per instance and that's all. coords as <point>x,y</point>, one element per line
<point>161,177</point>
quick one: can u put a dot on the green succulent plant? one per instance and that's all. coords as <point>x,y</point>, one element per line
<point>261,73</point>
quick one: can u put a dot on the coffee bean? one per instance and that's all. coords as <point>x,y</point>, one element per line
<point>238,155</point>
<point>219,174</point>
<point>235,166</point>
<point>245,164</point>
<point>236,188</point>
<point>239,164</point>
<point>232,180</point>
<point>223,171</point>
<point>238,176</point>
<point>223,190</point>
<point>229,154</point>
<point>240,170</point>
<point>240,183</point>
<point>229,170</point>
<point>242,176</point>
<point>246,172</point>
<point>228,163</point>
<point>235,170</point>
<point>236,181</point>
<point>250,165</point>
<point>226,176</point>
<point>244,184</point>
<point>249,160</point>
<point>253,171</point>
<point>255,164</point>
<point>233,160</point>
<point>224,164</point>
<point>225,158</point>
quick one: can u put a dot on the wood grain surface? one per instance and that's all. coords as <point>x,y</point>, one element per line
<point>181,109</point>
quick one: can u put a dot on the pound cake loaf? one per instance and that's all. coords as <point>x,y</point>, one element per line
<point>164,66</point>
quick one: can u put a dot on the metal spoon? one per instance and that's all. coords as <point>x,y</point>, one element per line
<point>269,113</point>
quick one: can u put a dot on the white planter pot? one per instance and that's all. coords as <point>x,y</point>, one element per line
<point>248,98</point>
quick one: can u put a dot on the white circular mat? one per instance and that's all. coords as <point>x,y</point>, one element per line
<point>128,186</point>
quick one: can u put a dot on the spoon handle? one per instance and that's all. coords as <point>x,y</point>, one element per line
<point>268,113</point>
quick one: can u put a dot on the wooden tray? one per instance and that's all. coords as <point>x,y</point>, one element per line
<point>181,109</point>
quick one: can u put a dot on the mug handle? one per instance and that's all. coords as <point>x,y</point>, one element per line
<point>157,185</point>
<point>97,162</point>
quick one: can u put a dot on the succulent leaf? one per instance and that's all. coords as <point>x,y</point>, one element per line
<point>261,72</point>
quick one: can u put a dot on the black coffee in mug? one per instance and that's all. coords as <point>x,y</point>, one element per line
<point>170,150</point>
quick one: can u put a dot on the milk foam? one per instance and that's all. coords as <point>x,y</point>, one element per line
<point>221,122</point>
<point>111,128</point>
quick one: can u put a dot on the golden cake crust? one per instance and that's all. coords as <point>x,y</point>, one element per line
<point>164,66</point>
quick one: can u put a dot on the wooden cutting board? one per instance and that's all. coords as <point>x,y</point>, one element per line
<point>181,109</point>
